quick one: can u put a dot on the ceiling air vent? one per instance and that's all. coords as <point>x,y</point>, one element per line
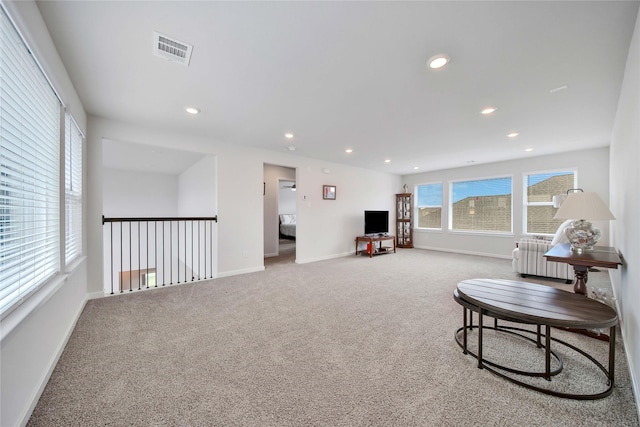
<point>171,49</point>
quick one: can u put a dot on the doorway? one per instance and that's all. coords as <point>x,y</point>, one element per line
<point>280,215</point>
<point>287,221</point>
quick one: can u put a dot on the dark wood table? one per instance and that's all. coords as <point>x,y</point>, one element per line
<point>376,249</point>
<point>534,304</point>
<point>600,256</point>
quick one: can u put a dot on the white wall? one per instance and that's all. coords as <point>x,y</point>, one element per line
<point>197,197</point>
<point>326,229</point>
<point>33,336</point>
<point>625,205</point>
<point>272,175</point>
<point>136,194</point>
<point>286,201</point>
<point>139,194</point>
<point>239,199</point>
<point>32,349</point>
<point>197,189</point>
<point>593,175</point>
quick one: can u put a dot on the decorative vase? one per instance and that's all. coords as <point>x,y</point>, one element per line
<point>582,235</point>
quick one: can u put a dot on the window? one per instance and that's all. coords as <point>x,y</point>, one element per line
<point>72,190</point>
<point>481,205</point>
<point>29,171</point>
<point>539,191</point>
<point>429,206</point>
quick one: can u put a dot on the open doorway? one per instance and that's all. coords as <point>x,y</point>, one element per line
<point>287,221</point>
<point>280,216</point>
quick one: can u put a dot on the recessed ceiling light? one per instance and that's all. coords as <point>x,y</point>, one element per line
<point>415,168</point>
<point>513,134</point>
<point>387,160</point>
<point>192,110</point>
<point>488,110</point>
<point>288,135</point>
<point>554,90</point>
<point>438,61</point>
<point>348,150</point>
<point>528,149</point>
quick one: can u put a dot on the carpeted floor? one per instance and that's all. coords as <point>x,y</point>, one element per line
<point>286,254</point>
<point>347,342</point>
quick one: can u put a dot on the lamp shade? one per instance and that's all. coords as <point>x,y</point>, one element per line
<point>584,206</point>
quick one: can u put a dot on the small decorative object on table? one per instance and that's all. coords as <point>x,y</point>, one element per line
<point>582,234</point>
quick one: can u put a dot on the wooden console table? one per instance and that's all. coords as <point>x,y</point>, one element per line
<point>373,248</point>
<point>600,256</point>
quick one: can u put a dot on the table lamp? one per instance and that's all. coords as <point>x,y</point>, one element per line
<point>581,233</point>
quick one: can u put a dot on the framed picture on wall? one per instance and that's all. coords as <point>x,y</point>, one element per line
<point>329,192</point>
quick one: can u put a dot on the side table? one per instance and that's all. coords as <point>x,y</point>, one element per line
<point>600,256</point>
<point>371,243</point>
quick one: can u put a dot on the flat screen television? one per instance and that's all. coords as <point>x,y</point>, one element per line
<point>376,222</point>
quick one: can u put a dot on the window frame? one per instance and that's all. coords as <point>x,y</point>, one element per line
<point>417,206</point>
<point>451,203</point>
<point>525,196</point>
<point>73,190</point>
<point>23,62</point>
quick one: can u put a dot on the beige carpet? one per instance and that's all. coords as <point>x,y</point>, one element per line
<point>286,254</point>
<point>347,342</point>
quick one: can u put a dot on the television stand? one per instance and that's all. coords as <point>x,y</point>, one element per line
<point>374,244</point>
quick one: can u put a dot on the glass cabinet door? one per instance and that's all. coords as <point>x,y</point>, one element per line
<point>404,220</point>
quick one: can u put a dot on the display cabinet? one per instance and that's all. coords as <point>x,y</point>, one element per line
<point>404,220</point>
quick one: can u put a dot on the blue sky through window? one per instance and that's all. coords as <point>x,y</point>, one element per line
<point>481,187</point>
<point>431,194</point>
<point>534,179</point>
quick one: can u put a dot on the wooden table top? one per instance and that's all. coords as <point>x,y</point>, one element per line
<point>600,256</point>
<point>536,304</point>
<point>376,238</point>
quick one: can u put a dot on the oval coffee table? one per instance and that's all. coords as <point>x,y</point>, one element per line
<point>530,303</point>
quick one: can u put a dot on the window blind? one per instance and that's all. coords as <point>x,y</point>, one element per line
<point>72,190</point>
<point>29,171</point>
<point>481,205</point>
<point>429,205</point>
<point>540,189</point>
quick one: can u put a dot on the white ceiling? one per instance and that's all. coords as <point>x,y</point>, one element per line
<point>353,74</point>
<point>146,158</point>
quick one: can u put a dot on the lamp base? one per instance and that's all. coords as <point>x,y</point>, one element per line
<point>582,235</point>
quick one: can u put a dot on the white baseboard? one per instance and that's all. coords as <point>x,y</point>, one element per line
<point>455,251</point>
<point>635,386</point>
<point>323,258</point>
<point>237,272</point>
<point>54,362</point>
<point>95,295</point>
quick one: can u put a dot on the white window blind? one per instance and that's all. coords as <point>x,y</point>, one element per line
<point>72,189</point>
<point>481,205</point>
<point>539,190</point>
<point>29,171</point>
<point>429,205</point>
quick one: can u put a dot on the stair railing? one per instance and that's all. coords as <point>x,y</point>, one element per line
<point>154,252</point>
